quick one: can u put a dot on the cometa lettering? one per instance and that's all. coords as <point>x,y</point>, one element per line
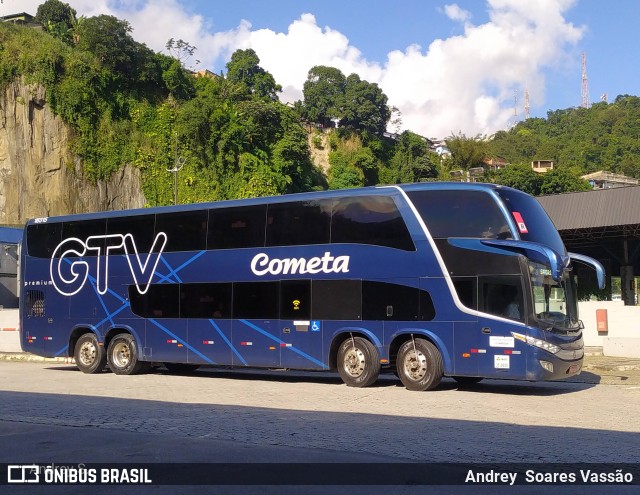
<point>261,265</point>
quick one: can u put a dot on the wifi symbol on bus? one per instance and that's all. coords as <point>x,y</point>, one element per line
<point>296,305</point>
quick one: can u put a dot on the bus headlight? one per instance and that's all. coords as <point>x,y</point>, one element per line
<point>541,344</point>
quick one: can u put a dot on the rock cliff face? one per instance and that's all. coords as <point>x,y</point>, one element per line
<point>39,176</point>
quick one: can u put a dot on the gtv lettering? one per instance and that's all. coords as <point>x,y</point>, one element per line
<point>261,264</point>
<point>70,275</point>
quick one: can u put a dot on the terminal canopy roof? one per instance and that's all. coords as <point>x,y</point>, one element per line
<point>604,224</point>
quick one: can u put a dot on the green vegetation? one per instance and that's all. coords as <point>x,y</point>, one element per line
<point>129,105</point>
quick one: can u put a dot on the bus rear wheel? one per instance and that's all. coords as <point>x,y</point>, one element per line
<point>90,356</point>
<point>122,355</point>
<point>358,363</point>
<point>419,365</point>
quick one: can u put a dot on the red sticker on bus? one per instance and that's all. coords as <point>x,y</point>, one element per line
<point>521,225</point>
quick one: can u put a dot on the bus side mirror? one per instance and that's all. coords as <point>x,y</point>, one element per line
<point>595,264</point>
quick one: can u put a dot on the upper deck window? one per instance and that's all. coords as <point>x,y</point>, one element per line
<point>237,227</point>
<point>456,213</point>
<point>298,223</point>
<point>372,220</point>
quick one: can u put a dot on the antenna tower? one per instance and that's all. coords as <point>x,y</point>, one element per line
<point>585,83</point>
<point>526,103</point>
<point>515,107</point>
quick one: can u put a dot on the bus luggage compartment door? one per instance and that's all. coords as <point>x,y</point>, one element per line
<point>256,343</point>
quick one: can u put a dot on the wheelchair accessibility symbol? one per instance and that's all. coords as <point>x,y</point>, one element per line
<point>315,326</point>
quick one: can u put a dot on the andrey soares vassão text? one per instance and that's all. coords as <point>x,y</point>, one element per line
<point>582,476</point>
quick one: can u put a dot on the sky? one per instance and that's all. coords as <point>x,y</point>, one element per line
<point>450,67</point>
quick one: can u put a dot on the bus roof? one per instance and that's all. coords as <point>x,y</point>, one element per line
<point>306,196</point>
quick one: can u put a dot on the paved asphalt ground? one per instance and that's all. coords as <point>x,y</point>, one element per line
<point>49,412</point>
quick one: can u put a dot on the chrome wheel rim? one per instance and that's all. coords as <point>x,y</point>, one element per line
<point>354,362</point>
<point>415,365</point>
<point>121,355</point>
<point>87,353</point>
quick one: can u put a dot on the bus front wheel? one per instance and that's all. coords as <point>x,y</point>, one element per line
<point>419,365</point>
<point>90,356</point>
<point>122,355</point>
<point>358,363</point>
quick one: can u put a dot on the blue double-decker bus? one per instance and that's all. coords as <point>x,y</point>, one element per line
<point>426,280</point>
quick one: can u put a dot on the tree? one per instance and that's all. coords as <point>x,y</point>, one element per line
<point>178,81</point>
<point>109,39</point>
<point>519,177</point>
<point>364,106</point>
<point>466,152</point>
<point>412,160</point>
<point>561,180</point>
<point>181,50</point>
<point>58,18</point>
<point>323,93</point>
<point>244,68</point>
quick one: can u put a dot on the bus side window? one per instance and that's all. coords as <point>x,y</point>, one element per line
<point>205,300</point>
<point>237,227</point>
<point>395,302</point>
<point>373,220</point>
<point>298,223</point>
<point>456,213</point>
<point>160,301</point>
<point>186,231</point>
<point>43,239</point>
<point>141,227</point>
<point>336,299</point>
<point>503,297</point>
<point>467,290</point>
<point>256,300</point>
<point>295,299</point>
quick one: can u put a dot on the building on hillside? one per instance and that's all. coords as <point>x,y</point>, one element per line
<point>542,166</point>
<point>205,73</point>
<point>22,19</point>
<point>439,146</point>
<point>607,180</point>
<point>494,163</point>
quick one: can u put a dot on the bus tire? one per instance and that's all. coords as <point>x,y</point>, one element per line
<point>419,365</point>
<point>181,367</point>
<point>122,355</point>
<point>358,362</point>
<point>90,356</point>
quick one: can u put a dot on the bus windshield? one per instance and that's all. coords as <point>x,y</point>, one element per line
<point>533,223</point>
<point>555,303</point>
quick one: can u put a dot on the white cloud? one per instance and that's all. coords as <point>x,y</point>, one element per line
<point>455,13</point>
<point>464,83</point>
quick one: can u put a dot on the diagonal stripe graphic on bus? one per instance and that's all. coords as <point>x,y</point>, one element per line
<point>293,349</point>
<point>172,272</point>
<point>164,278</point>
<point>231,346</point>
